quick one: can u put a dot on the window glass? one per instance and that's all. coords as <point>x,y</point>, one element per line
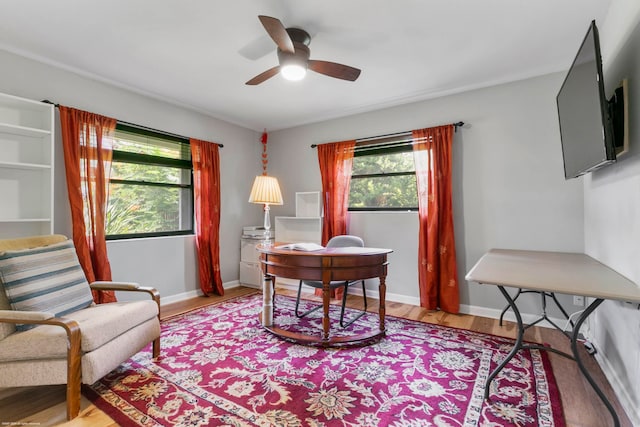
<point>141,141</point>
<point>150,188</point>
<point>383,179</point>
<point>146,173</point>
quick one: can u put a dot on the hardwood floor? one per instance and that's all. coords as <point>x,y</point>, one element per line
<point>45,406</point>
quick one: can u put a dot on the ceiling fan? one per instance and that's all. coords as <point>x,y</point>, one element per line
<point>293,55</point>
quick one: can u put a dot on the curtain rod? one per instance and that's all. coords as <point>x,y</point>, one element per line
<point>46,101</point>
<point>456,125</point>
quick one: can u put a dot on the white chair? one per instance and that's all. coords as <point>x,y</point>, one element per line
<point>336,242</point>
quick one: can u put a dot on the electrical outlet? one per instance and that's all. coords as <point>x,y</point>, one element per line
<point>578,300</point>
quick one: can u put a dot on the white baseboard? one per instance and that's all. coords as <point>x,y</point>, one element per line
<point>491,313</point>
<point>355,290</point>
<point>193,294</point>
<point>621,392</point>
<point>231,284</point>
<point>494,313</point>
<point>291,284</point>
<point>180,297</point>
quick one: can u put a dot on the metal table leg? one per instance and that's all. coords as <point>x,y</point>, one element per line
<point>583,369</point>
<point>504,310</point>
<point>519,342</point>
<point>574,349</point>
<point>543,301</point>
<point>515,348</point>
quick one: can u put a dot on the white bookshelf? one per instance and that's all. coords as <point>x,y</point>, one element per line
<point>306,226</point>
<point>291,229</point>
<point>308,204</point>
<point>26,167</point>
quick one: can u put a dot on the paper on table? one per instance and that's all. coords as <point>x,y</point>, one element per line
<point>306,247</point>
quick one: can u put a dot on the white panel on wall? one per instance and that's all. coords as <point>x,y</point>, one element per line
<point>402,274</point>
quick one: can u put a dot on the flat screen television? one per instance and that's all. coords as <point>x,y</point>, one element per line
<point>584,113</point>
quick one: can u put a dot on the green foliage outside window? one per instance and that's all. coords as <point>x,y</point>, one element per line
<point>134,209</point>
<point>382,181</point>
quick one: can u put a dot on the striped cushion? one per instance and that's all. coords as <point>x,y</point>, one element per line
<point>47,278</point>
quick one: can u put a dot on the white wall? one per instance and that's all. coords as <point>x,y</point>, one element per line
<point>612,214</point>
<point>509,187</point>
<point>169,264</point>
<point>403,240</point>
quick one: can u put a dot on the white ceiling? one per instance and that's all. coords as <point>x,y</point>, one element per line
<point>199,53</point>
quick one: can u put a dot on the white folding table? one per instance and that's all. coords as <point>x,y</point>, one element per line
<point>559,272</point>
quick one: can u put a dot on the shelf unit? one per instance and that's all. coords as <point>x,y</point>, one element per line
<point>292,229</point>
<point>26,167</point>
<point>306,226</point>
<point>308,204</point>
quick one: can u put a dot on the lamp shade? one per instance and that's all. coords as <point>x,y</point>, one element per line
<point>266,190</point>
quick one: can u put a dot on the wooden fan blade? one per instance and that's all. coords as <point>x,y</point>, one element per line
<point>332,69</point>
<point>264,76</point>
<point>277,32</point>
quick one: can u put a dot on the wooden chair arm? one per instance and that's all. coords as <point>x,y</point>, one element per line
<point>42,318</point>
<point>112,286</point>
<point>17,316</point>
<point>74,353</point>
<point>128,287</point>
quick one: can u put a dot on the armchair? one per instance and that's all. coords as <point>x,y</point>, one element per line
<point>41,346</point>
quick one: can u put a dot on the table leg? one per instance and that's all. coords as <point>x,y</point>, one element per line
<point>516,347</point>
<point>267,300</point>
<point>326,296</point>
<point>583,369</point>
<point>504,310</point>
<point>574,349</point>
<point>382,289</point>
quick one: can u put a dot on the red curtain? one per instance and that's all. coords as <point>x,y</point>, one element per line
<point>87,141</point>
<point>336,161</point>
<point>206,179</point>
<point>437,271</point>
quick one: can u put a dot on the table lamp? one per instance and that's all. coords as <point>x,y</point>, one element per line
<point>266,191</point>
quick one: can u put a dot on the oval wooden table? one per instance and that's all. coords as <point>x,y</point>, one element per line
<point>325,265</point>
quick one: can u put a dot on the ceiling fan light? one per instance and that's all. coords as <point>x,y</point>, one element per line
<point>293,72</point>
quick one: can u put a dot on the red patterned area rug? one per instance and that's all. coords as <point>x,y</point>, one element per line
<point>219,367</point>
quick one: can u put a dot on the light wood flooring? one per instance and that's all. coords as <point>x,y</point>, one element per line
<point>44,406</point>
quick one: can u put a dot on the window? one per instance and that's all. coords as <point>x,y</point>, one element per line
<point>150,190</point>
<point>383,177</point>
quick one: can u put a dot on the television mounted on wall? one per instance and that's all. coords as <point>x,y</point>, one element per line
<point>591,127</point>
